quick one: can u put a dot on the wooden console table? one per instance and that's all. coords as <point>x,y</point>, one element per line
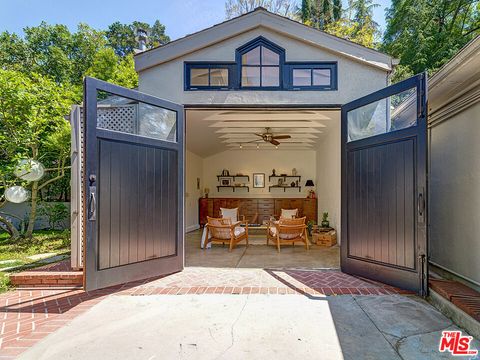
<point>256,210</point>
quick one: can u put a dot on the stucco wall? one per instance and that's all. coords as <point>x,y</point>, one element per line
<point>329,177</point>
<point>455,193</point>
<point>193,170</point>
<point>354,78</point>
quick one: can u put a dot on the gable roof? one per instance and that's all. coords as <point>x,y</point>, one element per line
<point>260,17</point>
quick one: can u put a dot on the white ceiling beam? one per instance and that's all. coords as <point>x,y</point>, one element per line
<point>265,145</point>
<point>305,130</point>
<point>283,141</point>
<point>284,124</point>
<point>246,134</point>
<point>258,117</point>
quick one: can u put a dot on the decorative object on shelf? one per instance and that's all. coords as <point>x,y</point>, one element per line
<point>280,182</point>
<point>225,172</point>
<point>292,184</point>
<point>311,193</point>
<point>226,182</point>
<point>283,175</point>
<point>294,172</point>
<point>325,222</point>
<point>259,180</point>
<point>206,191</point>
<point>273,172</point>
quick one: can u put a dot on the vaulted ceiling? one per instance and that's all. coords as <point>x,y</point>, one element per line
<point>210,131</point>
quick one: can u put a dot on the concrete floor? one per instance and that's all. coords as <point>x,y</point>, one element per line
<point>250,327</point>
<point>259,255</point>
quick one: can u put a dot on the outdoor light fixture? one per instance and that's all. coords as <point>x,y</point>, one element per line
<point>29,170</point>
<point>17,194</point>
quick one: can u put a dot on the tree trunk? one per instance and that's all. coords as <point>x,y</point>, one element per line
<point>12,230</point>
<point>33,210</point>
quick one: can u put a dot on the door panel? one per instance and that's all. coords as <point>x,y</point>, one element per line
<point>134,172</point>
<point>384,234</point>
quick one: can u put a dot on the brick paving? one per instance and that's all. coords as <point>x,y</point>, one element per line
<point>58,274</point>
<point>27,316</point>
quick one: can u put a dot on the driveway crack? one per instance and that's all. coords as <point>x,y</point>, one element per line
<point>232,329</point>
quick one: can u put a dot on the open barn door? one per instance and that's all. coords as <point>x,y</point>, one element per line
<point>384,185</point>
<point>133,185</point>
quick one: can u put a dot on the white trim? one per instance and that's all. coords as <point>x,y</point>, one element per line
<point>192,228</point>
<point>255,19</point>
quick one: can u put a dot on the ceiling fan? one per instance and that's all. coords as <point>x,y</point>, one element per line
<point>267,136</point>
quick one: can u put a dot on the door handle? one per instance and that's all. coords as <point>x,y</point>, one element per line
<point>92,205</point>
<point>421,204</point>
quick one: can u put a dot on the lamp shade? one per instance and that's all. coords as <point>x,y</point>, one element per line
<point>17,194</point>
<point>29,170</point>
<point>309,183</point>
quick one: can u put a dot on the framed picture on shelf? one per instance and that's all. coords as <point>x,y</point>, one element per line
<point>225,182</point>
<point>258,180</point>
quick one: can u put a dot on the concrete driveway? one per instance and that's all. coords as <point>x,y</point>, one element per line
<point>256,326</point>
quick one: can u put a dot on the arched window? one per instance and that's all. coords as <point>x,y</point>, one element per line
<point>260,64</point>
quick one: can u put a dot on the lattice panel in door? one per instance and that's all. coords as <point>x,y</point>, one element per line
<point>119,118</point>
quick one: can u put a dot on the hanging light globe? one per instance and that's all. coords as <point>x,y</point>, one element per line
<point>29,170</point>
<point>17,194</point>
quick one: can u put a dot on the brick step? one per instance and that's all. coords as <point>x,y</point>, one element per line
<point>47,279</point>
<point>458,294</point>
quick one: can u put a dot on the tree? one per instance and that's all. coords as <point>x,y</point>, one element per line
<point>235,8</point>
<point>32,126</point>
<point>320,13</point>
<point>425,34</point>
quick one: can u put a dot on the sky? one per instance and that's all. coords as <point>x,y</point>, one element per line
<point>181,17</point>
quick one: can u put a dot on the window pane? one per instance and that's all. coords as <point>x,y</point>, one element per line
<point>252,57</point>
<point>321,77</point>
<point>116,113</point>
<point>392,113</point>
<point>269,57</point>
<point>198,77</point>
<point>302,77</point>
<point>218,77</point>
<point>270,76</point>
<point>250,76</point>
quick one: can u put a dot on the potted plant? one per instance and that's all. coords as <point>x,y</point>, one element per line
<point>325,222</point>
<point>310,225</point>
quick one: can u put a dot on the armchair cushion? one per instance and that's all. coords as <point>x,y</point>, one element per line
<point>229,213</point>
<point>289,213</point>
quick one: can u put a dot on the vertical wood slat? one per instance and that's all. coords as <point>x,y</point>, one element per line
<point>137,187</point>
<point>381,190</point>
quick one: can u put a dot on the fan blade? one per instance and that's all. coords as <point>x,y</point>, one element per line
<point>274,142</point>
<point>261,135</point>
<point>252,141</point>
<point>281,137</point>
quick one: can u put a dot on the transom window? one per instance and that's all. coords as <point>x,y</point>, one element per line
<point>260,68</point>
<point>208,76</point>
<point>260,65</point>
<point>317,76</point>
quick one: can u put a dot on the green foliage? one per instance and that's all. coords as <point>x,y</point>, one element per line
<point>320,13</point>
<point>235,8</point>
<point>108,66</point>
<point>425,34</point>
<point>56,213</point>
<point>122,37</point>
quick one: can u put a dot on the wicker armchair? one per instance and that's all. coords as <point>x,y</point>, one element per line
<point>222,230</point>
<point>288,231</point>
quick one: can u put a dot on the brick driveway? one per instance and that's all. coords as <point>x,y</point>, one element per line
<point>27,316</point>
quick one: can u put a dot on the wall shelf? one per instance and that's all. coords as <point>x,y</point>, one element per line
<point>233,177</point>
<point>284,177</point>
<point>284,187</point>
<point>233,187</point>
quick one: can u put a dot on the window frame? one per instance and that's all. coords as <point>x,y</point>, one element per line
<point>207,65</point>
<point>260,41</point>
<point>324,65</point>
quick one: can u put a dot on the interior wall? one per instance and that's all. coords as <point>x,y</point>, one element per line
<point>248,162</point>
<point>455,194</point>
<point>328,175</point>
<point>193,171</point>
